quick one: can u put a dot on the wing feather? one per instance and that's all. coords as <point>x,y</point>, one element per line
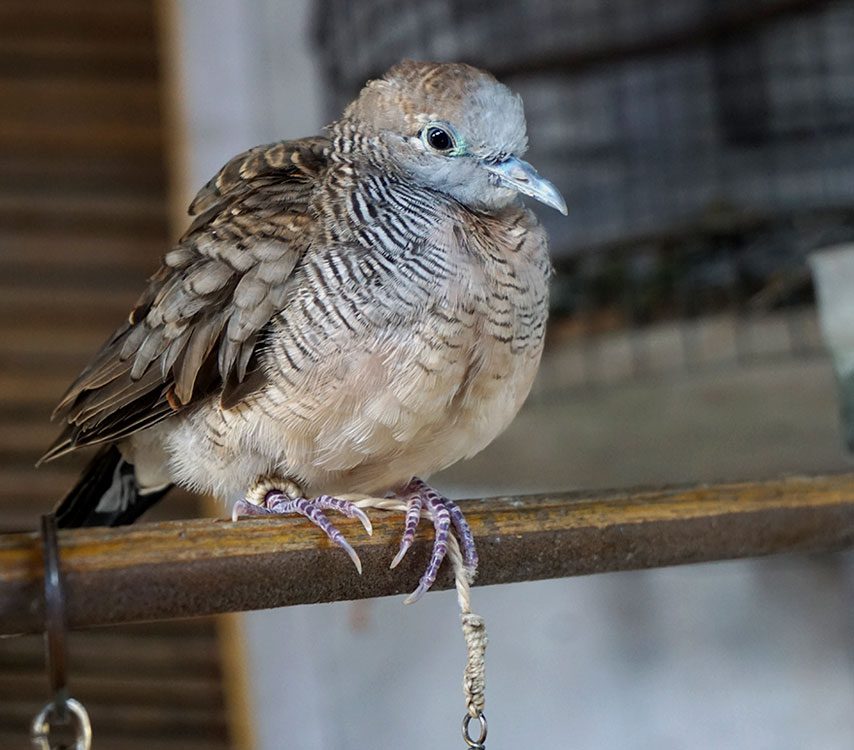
<point>193,332</point>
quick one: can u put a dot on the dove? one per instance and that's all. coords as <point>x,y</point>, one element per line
<point>347,313</point>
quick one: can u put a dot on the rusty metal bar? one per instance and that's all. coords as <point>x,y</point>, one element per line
<point>181,569</point>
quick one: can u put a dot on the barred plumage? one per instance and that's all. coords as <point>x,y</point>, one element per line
<point>344,312</point>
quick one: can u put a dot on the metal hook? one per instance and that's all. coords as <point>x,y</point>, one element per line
<point>54,616</point>
<point>62,708</point>
<point>477,744</point>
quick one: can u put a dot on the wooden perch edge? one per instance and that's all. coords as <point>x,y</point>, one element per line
<point>187,568</point>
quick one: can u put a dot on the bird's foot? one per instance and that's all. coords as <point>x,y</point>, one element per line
<point>287,499</point>
<point>418,495</point>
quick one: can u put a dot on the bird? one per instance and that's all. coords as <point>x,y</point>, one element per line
<point>346,313</point>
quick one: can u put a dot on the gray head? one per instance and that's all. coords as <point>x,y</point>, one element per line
<point>453,128</point>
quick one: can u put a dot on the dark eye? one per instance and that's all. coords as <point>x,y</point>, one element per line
<point>439,139</point>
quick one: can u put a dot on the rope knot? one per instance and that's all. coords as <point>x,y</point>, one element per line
<point>474,676</point>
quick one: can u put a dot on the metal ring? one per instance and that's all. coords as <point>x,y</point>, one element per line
<point>40,728</point>
<point>481,717</point>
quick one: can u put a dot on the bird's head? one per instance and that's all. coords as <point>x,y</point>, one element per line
<point>452,128</point>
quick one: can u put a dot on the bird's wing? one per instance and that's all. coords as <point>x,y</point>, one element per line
<point>195,328</point>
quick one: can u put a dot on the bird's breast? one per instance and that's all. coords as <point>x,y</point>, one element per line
<point>380,370</point>
<point>443,354</point>
<point>410,402</point>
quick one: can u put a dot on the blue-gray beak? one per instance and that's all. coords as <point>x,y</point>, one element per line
<point>519,175</point>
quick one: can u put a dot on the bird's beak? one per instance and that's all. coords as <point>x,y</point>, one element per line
<point>515,173</point>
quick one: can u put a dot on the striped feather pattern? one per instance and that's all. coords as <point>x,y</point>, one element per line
<point>329,317</point>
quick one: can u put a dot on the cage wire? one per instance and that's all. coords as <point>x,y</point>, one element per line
<point>704,147</point>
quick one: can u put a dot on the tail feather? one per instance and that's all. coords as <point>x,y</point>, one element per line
<point>106,494</point>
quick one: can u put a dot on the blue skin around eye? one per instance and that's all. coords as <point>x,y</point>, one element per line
<point>459,147</point>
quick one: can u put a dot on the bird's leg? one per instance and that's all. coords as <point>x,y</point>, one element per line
<point>445,512</point>
<point>272,496</point>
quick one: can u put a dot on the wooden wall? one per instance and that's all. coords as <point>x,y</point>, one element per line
<point>83,218</point>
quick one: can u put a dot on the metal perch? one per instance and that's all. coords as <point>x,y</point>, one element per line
<point>182,569</point>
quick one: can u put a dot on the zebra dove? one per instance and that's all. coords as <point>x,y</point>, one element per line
<point>345,313</point>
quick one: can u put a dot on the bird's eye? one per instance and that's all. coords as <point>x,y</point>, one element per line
<point>439,139</point>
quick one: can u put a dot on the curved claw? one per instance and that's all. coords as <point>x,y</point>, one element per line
<point>279,503</point>
<point>417,594</point>
<point>239,509</point>
<point>311,509</point>
<point>365,520</point>
<point>243,507</point>
<point>346,508</point>
<point>345,545</point>
<point>404,546</point>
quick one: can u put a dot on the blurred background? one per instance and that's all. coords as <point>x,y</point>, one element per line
<point>706,151</point>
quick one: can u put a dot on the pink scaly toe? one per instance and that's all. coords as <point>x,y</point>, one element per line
<point>418,494</point>
<point>277,503</point>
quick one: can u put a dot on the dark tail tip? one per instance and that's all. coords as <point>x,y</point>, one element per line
<point>106,494</point>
